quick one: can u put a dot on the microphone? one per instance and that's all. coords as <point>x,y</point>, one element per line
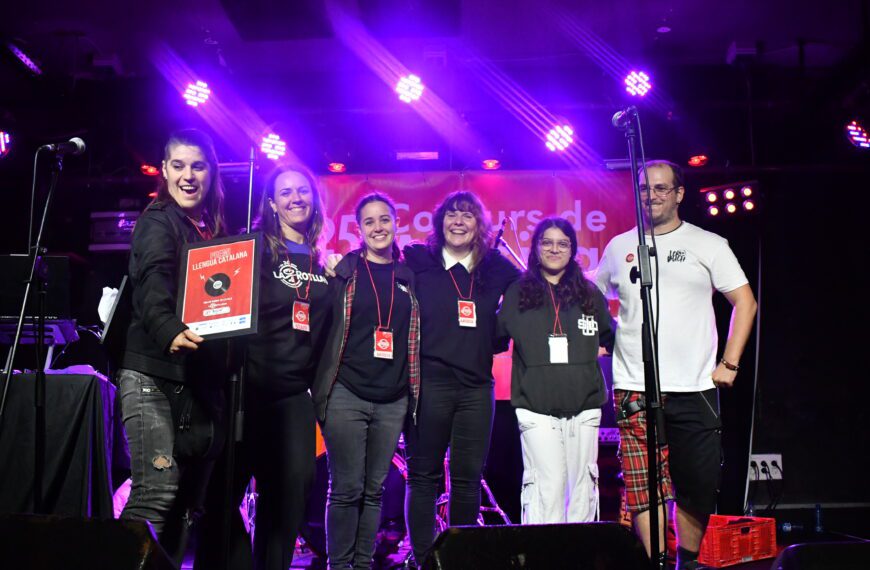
<point>75,146</point>
<point>500,232</point>
<point>621,118</point>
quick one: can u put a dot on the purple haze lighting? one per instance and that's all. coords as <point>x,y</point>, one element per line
<point>5,143</point>
<point>409,88</point>
<point>637,83</point>
<point>23,58</point>
<point>273,147</point>
<point>197,93</point>
<point>559,138</point>
<point>857,135</point>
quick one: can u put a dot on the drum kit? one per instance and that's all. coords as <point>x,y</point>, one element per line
<point>391,533</point>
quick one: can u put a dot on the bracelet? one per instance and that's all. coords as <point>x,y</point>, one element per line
<point>729,366</point>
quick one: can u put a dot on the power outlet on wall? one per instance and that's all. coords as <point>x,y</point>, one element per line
<point>771,462</point>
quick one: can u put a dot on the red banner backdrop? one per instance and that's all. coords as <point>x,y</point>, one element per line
<point>598,204</point>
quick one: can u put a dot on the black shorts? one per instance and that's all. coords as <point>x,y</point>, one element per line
<point>692,459</point>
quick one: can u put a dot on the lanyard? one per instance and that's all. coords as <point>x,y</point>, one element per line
<point>308,283</point>
<point>377,299</point>
<point>204,235</point>
<point>455,284</point>
<point>557,321</point>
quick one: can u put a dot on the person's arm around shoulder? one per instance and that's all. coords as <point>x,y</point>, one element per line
<point>743,312</point>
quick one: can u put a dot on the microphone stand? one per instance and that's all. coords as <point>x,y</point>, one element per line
<point>39,383</point>
<point>654,415</point>
<point>501,242</point>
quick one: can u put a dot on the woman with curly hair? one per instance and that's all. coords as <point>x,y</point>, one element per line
<point>460,280</point>
<point>557,320</point>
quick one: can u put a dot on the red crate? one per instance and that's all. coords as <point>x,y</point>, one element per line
<point>732,540</point>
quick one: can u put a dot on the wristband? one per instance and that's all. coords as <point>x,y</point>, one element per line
<point>729,366</point>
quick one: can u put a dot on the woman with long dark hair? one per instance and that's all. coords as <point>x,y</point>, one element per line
<point>166,369</point>
<point>365,382</point>
<point>278,447</point>
<point>460,279</point>
<point>557,320</point>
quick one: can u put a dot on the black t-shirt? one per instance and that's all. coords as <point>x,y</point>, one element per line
<point>280,358</point>
<point>370,378</point>
<point>446,347</point>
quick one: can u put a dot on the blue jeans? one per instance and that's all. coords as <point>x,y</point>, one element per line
<point>164,493</point>
<point>360,439</point>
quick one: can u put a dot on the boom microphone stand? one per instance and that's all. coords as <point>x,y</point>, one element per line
<point>39,381</point>
<point>628,121</point>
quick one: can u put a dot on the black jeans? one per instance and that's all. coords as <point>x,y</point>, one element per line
<point>361,438</point>
<point>448,413</point>
<point>278,451</point>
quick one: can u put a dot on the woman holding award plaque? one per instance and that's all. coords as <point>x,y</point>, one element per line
<point>365,382</point>
<point>166,371</point>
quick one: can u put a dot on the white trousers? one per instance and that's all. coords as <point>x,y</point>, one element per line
<point>560,467</point>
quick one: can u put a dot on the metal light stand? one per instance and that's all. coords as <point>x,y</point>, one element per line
<point>654,415</point>
<point>39,383</point>
<point>235,431</point>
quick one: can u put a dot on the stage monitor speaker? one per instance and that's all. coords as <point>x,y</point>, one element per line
<point>49,542</point>
<point>578,546</point>
<point>824,556</point>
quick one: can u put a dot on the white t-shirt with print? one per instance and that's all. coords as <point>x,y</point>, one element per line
<point>692,264</point>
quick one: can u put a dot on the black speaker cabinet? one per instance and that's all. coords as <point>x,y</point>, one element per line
<point>824,556</point>
<point>578,546</point>
<point>49,542</point>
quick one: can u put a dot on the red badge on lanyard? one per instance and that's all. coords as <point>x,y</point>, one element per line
<point>301,306</point>
<point>383,335</point>
<point>300,316</point>
<point>466,309</point>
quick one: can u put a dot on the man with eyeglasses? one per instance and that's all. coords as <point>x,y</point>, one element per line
<point>689,265</point>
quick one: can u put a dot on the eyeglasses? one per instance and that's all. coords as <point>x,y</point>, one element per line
<point>562,245</point>
<point>659,190</point>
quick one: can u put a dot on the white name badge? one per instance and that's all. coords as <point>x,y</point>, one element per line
<point>467,313</point>
<point>558,349</point>
<point>384,344</point>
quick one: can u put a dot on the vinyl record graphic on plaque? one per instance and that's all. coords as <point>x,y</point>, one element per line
<point>217,284</point>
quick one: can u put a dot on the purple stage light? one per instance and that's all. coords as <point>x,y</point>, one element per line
<point>748,205</point>
<point>273,147</point>
<point>637,83</point>
<point>559,138</point>
<point>409,88</point>
<point>712,197</point>
<point>5,143</point>
<point>713,210</point>
<point>857,135</point>
<point>730,208</point>
<point>23,58</point>
<point>746,191</point>
<point>197,93</point>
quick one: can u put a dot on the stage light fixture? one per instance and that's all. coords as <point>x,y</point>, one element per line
<point>637,83</point>
<point>559,138</point>
<point>732,200</point>
<point>857,134</point>
<point>730,207</point>
<point>713,210</point>
<point>409,88</point>
<point>273,147</point>
<point>337,167</point>
<point>729,194</point>
<point>746,191</point>
<point>748,205</point>
<point>5,143</point>
<point>490,164</point>
<point>712,197</point>
<point>24,58</point>
<point>197,93</point>
<point>698,160</point>
<point>149,170</point>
